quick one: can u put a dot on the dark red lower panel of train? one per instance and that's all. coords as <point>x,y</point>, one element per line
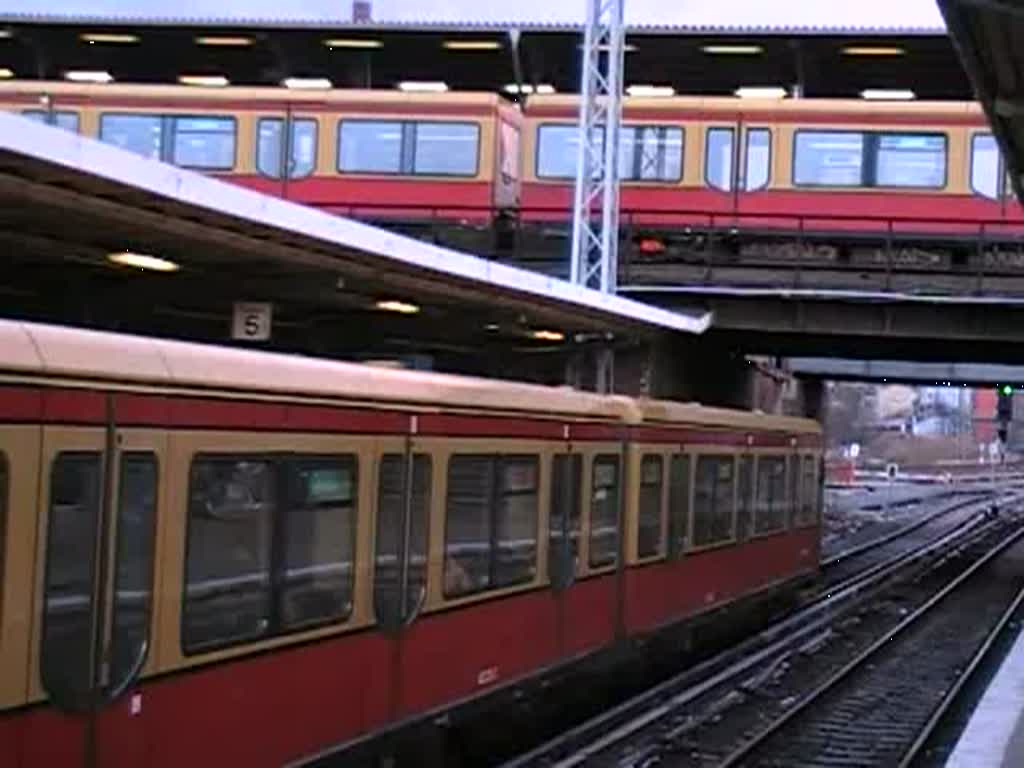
<point>505,657</point>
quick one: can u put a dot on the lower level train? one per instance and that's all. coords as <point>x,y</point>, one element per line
<point>221,557</point>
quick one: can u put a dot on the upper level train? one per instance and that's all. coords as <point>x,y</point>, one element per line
<point>806,164</point>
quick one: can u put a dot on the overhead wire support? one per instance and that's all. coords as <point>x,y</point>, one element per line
<point>595,222</point>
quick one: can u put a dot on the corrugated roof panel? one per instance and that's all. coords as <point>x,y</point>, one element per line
<point>737,16</point>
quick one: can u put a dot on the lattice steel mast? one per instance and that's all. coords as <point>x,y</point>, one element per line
<point>595,223</point>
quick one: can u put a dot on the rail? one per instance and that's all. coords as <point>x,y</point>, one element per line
<point>870,654</point>
<point>611,729</point>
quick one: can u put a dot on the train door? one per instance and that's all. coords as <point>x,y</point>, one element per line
<point>564,518</point>
<point>755,165</point>
<point>745,498</point>
<point>721,166</point>
<point>97,515</point>
<point>737,160</point>
<point>404,480</point>
<point>286,147</point>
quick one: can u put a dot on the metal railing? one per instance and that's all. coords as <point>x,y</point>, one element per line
<point>700,242</point>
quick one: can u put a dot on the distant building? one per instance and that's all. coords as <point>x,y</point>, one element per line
<point>983,413</point>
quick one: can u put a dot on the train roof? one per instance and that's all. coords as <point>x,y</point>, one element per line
<point>83,356</point>
<point>259,94</point>
<point>568,104</point>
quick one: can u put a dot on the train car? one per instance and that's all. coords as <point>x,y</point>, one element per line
<point>801,165</point>
<point>372,154</point>
<point>213,556</point>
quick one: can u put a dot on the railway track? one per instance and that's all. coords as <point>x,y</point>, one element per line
<point>878,708</point>
<point>861,558</point>
<point>662,721</point>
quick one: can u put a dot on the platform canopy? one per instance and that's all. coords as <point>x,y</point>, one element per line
<point>989,36</point>
<point>69,203</point>
<point>693,14</point>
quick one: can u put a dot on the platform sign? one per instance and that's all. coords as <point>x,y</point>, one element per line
<point>251,321</point>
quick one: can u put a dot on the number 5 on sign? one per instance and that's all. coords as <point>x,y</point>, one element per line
<point>251,321</point>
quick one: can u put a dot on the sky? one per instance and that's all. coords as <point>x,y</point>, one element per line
<point>801,13</point>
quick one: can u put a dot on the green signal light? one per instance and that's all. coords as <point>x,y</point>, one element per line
<point>1007,390</point>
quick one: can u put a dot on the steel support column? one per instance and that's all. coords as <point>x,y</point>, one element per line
<point>595,237</point>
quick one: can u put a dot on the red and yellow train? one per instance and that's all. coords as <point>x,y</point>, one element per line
<point>221,557</point>
<point>811,164</point>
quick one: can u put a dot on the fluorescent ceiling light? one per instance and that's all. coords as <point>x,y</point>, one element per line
<point>545,335</point>
<point>472,45</point>
<point>873,50</point>
<point>88,76</point>
<point>526,88</point>
<point>143,261</point>
<point>6,73</point>
<point>352,42</point>
<point>225,41</point>
<point>626,47</point>
<point>422,86</point>
<point>307,83</point>
<point>651,90</point>
<point>401,307</point>
<point>205,81</point>
<point>761,92</point>
<point>887,94</point>
<point>113,38</point>
<point>733,50</point>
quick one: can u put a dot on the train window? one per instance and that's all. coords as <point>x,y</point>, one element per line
<point>807,513</point>
<point>445,149</point>
<point>422,148</point>
<point>516,524</point>
<point>315,572</point>
<point>679,503</point>
<point>401,540</point>
<point>713,500</point>
<point>872,159</point>
<point>910,160</point>
<point>203,142</point>
<point>274,144</point>
<point>829,158</point>
<point>604,512</point>
<point>650,153</point>
<point>718,157</point>
<point>271,546</point>
<point>646,152</point>
<point>141,134</point>
<point>370,146</point>
<point>558,149</point>
<point>468,535</point>
<point>232,504</point>
<point>770,504</point>
<point>757,159</point>
<point>491,528</point>
<point>66,648</point>
<point>564,517</point>
<point>59,118</point>
<point>745,497</point>
<point>133,570</point>
<point>986,165</point>
<point>649,506</point>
